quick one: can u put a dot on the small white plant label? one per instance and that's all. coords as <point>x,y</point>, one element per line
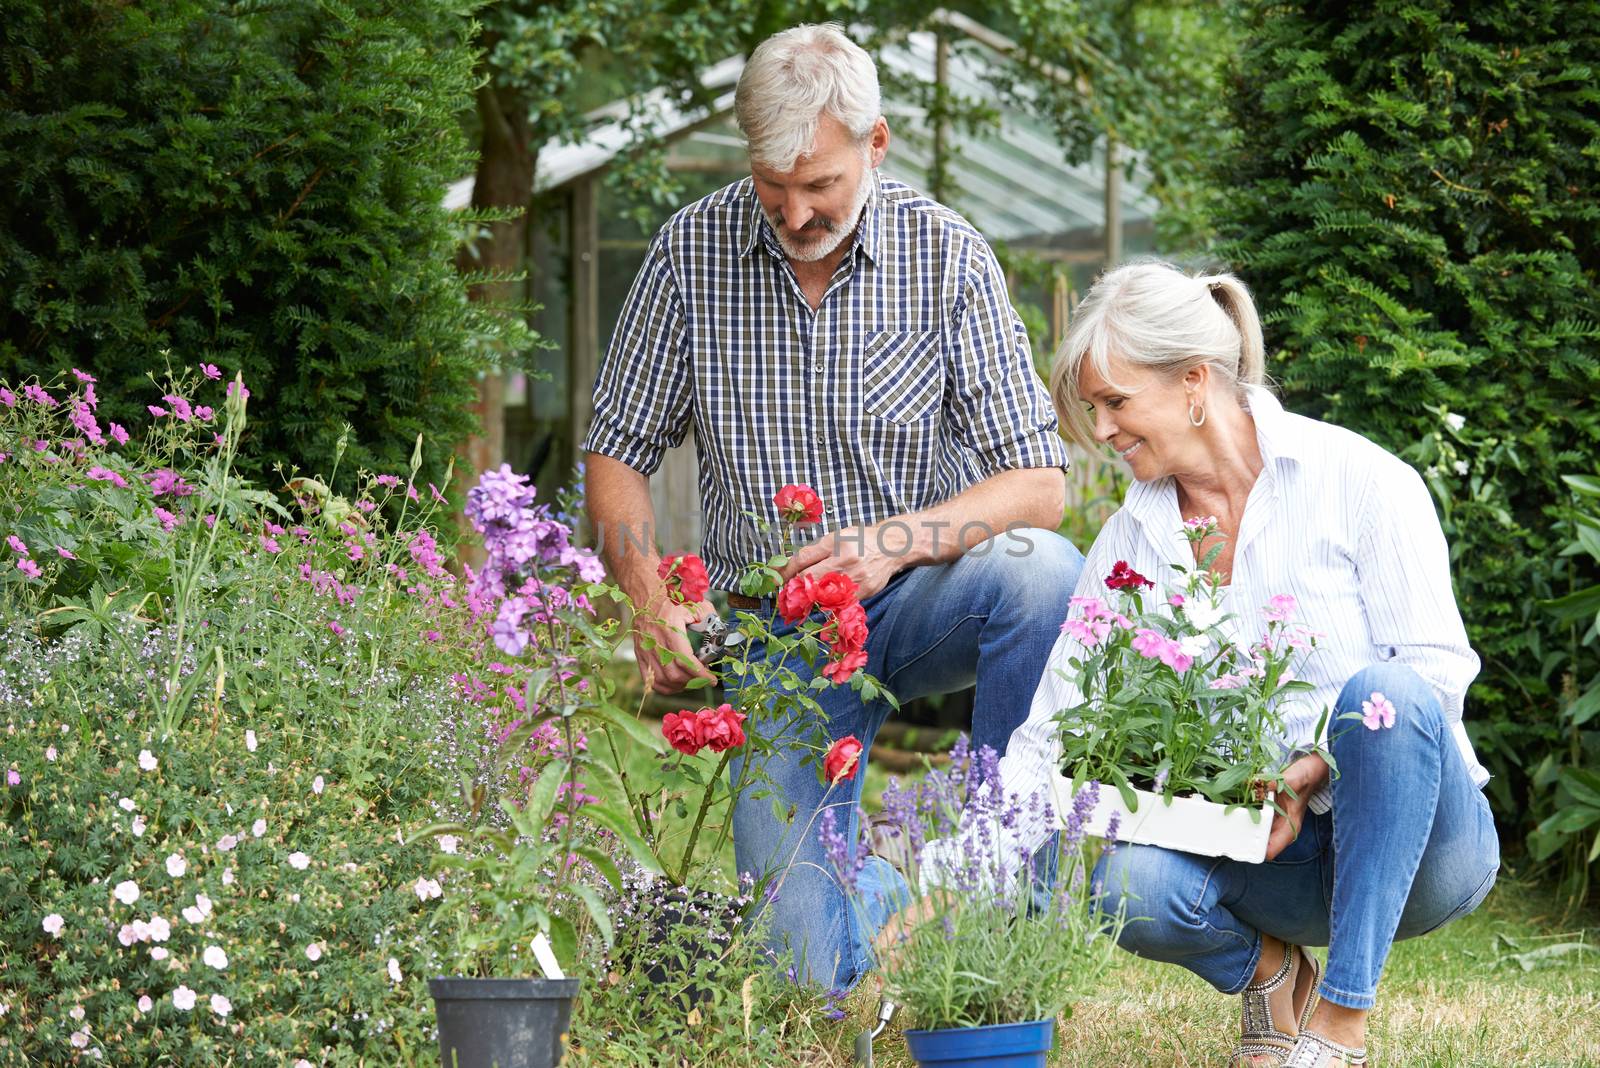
<point>546,958</point>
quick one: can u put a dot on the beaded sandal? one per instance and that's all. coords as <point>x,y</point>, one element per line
<point>1312,1050</point>
<point>1258,1038</point>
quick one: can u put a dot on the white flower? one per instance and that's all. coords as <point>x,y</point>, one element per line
<point>1456,421</point>
<point>250,740</point>
<point>203,903</point>
<point>227,877</point>
<point>76,1012</point>
<point>160,929</point>
<point>126,804</point>
<point>126,936</point>
<point>258,828</point>
<point>299,861</point>
<point>158,953</point>
<point>50,753</point>
<point>147,760</point>
<point>227,842</point>
<point>427,888</point>
<point>80,1039</point>
<point>221,1005</point>
<point>394,970</point>
<point>1201,613</point>
<point>448,842</point>
<point>215,957</point>
<point>1195,645</point>
<point>192,914</point>
<point>1462,467</point>
<point>316,785</point>
<point>183,998</point>
<point>176,865</point>
<point>138,826</point>
<point>314,952</point>
<point>126,892</point>
<point>145,1004</point>
<point>302,1063</point>
<point>53,924</point>
<point>141,930</point>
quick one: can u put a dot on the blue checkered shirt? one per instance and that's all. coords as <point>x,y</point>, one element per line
<point>911,382</point>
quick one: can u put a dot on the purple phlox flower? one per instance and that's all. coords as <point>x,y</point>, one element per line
<point>498,497</point>
<point>508,633</point>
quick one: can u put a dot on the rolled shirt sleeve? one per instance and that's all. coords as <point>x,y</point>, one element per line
<point>1003,413</point>
<point>642,397</point>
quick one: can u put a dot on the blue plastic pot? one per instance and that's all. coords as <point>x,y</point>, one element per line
<point>1015,1045</point>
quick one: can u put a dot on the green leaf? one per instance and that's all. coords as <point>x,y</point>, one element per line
<point>1586,485</point>
<point>622,827</point>
<point>603,864</point>
<point>630,725</point>
<point>1571,820</point>
<point>597,911</point>
<point>542,795</point>
<point>564,942</point>
<point>1581,784</point>
<point>1575,607</point>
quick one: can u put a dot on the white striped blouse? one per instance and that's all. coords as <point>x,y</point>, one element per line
<point>1344,526</point>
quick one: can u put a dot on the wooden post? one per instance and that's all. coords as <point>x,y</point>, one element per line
<point>939,172</point>
<point>1113,221</point>
<point>583,357</point>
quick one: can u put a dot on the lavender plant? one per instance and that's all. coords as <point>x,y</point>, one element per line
<point>1169,701</point>
<point>988,932</point>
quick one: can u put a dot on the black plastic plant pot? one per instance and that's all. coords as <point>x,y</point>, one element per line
<point>502,1023</point>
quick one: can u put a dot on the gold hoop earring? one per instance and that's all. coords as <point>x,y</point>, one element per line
<point>1201,420</point>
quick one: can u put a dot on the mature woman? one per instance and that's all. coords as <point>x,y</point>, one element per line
<point>1167,369</point>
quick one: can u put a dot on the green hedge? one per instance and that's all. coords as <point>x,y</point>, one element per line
<point>1414,202</point>
<point>257,186</point>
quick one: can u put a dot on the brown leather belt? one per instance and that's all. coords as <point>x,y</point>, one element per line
<point>739,600</point>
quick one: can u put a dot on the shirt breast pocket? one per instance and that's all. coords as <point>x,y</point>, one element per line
<point>902,375</point>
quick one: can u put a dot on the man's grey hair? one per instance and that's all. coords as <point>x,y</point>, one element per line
<point>795,77</point>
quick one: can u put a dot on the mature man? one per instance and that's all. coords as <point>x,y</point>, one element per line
<point>816,323</point>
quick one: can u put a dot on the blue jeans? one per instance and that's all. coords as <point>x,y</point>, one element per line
<point>989,617</point>
<point>1408,846</point>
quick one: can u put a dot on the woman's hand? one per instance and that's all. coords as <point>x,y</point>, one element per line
<point>1305,777</point>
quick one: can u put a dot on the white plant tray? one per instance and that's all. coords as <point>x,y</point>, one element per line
<point>1188,824</point>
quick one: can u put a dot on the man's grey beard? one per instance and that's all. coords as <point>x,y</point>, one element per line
<point>830,235</point>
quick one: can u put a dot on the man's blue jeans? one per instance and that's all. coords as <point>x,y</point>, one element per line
<point>1408,846</point>
<point>990,617</point>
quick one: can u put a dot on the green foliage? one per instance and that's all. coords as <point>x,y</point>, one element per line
<point>254,185</point>
<point>1568,779</point>
<point>237,719</point>
<point>1410,199</point>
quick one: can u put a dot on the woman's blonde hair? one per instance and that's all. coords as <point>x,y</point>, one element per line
<point>1153,315</point>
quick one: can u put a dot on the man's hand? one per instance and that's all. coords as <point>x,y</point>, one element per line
<point>887,943</point>
<point>869,555</point>
<point>1305,776</point>
<point>658,632</point>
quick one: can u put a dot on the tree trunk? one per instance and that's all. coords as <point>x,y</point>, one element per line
<point>504,180</point>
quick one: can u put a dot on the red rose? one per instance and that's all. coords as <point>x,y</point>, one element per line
<point>846,632</point>
<point>842,759</point>
<point>685,576</point>
<point>797,597</point>
<point>840,670</point>
<point>1123,577</point>
<point>799,504</point>
<point>721,727</point>
<point>683,732</point>
<point>834,590</point>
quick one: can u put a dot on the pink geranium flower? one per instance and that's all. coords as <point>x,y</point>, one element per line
<point>210,370</point>
<point>1377,712</point>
